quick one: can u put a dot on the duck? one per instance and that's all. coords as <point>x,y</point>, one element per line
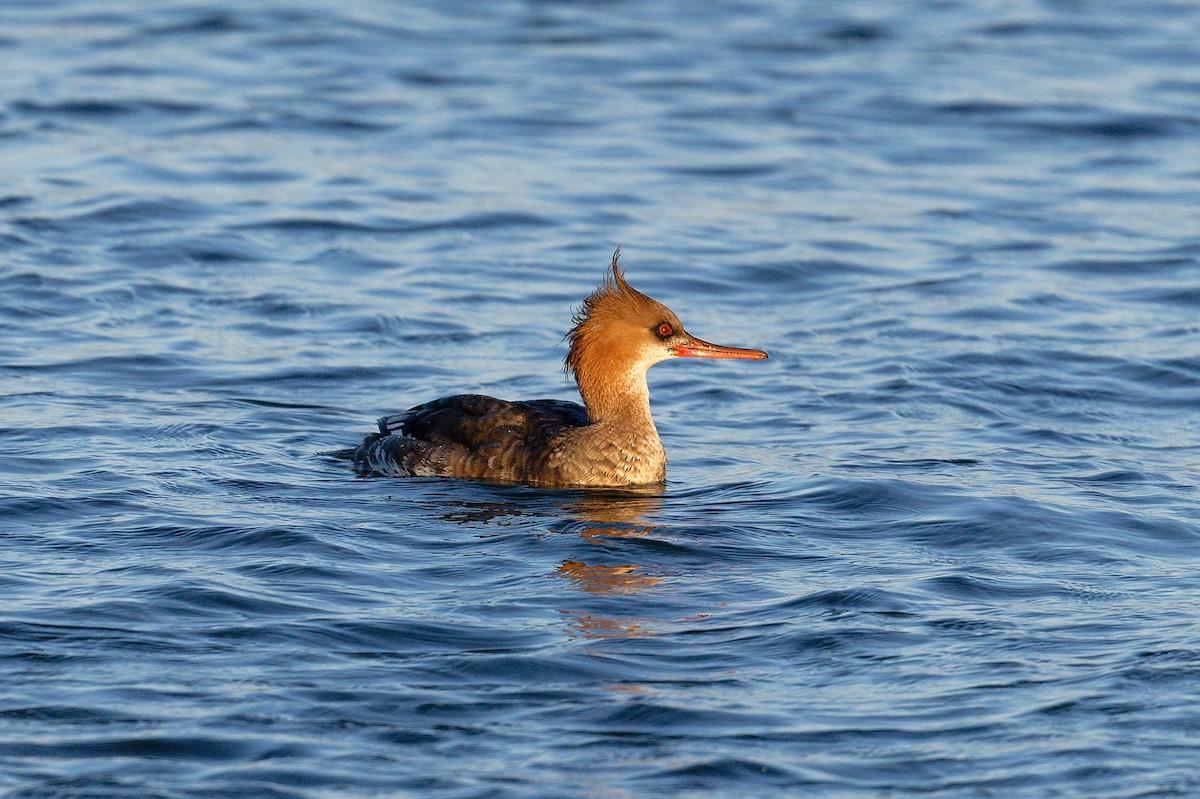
<point>610,441</point>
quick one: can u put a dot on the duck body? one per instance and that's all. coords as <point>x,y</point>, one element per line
<point>545,442</point>
<point>609,441</point>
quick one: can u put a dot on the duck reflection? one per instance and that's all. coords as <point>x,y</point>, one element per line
<point>615,514</point>
<point>593,625</point>
<point>599,579</point>
<point>612,515</point>
<point>597,517</point>
<point>604,516</point>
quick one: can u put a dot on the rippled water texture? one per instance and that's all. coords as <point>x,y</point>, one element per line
<point>943,544</point>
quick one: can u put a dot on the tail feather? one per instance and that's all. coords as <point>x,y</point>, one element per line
<point>390,456</point>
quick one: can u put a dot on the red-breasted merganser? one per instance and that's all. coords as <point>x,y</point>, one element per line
<point>610,440</point>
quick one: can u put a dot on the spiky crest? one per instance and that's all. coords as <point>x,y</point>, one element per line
<point>611,294</point>
<point>618,275</point>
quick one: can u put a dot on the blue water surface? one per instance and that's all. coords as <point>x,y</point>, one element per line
<point>944,543</point>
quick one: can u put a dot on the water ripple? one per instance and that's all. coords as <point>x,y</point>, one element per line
<point>941,544</point>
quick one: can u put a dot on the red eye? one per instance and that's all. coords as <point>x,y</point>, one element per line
<point>665,330</point>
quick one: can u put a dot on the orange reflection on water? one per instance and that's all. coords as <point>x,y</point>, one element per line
<point>591,625</point>
<point>610,515</point>
<point>600,579</point>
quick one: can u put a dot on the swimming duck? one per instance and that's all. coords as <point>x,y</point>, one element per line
<point>610,440</point>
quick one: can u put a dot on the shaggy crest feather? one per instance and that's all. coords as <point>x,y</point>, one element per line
<point>612,297</point>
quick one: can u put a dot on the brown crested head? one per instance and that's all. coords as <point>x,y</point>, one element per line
<point>619,333</point>
<point>619,329</point>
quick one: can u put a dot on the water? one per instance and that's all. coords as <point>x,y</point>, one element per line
<point>944,543</point>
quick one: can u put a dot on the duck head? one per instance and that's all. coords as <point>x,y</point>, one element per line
<point>620,333</point>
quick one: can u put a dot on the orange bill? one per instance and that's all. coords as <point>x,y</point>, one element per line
<point>697,348</point>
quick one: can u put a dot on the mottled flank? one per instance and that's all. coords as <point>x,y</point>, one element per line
<point>470,436</point>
